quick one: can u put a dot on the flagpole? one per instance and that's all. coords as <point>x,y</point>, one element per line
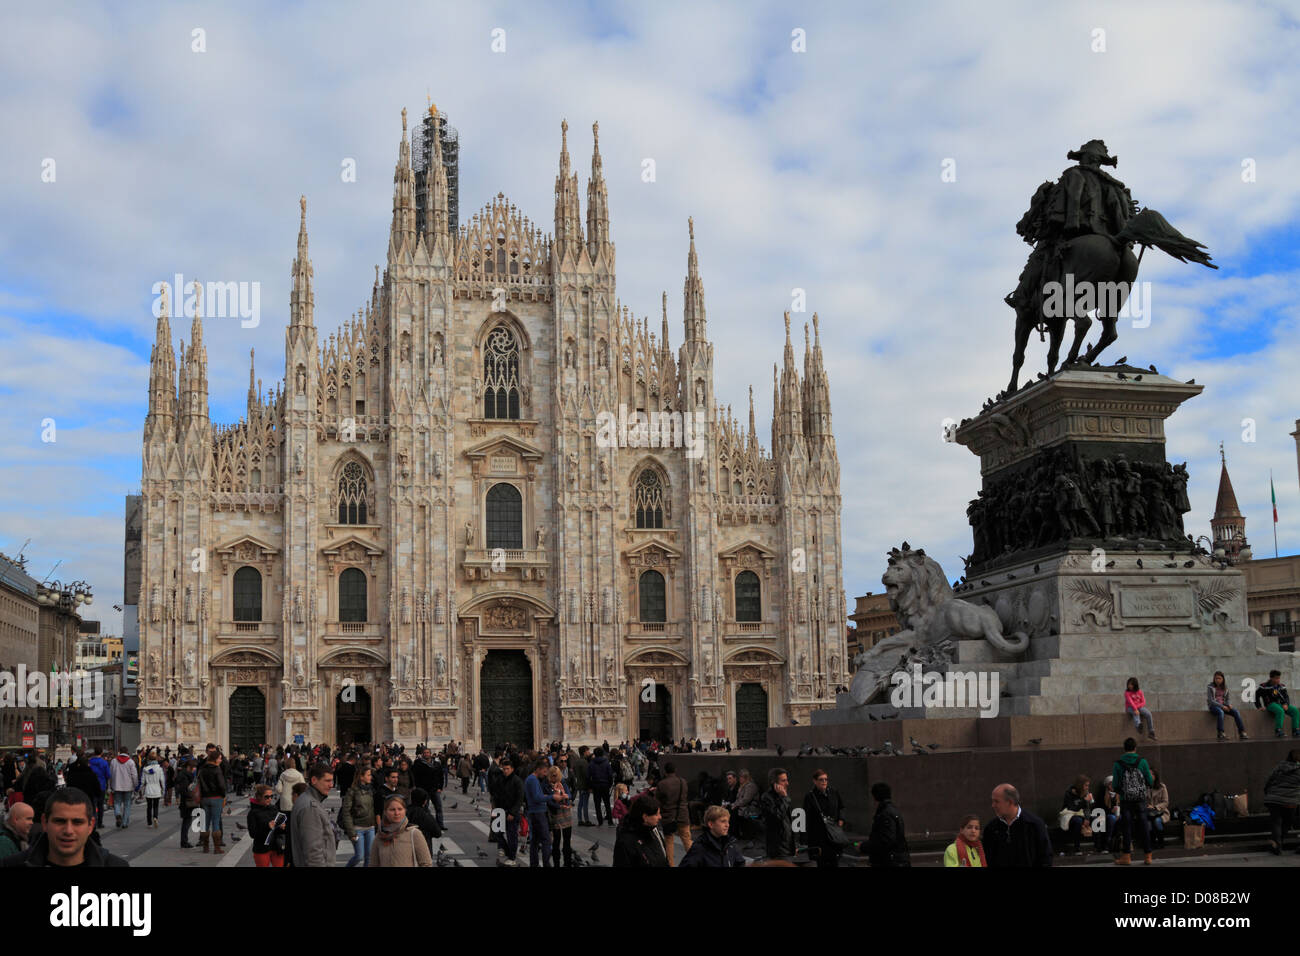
<point>1273,494</point>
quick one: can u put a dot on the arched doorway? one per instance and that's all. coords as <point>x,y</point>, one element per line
<point>352,715</point>
<point>506,695</point>
<point>656,714</point>
<point>247,719</point>
<point>751,716</point>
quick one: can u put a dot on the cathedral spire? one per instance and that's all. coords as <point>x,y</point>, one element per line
<point>301,300</point>
<point>818,409</point>
<point>195,399</point>
<point>1228,524</point>
<point>568,223</point>
<point>252,385</point>
<point>753,430</point>
<point>162,374</point>
<point>402,234</point>
<point>791,430</point>
<point>597,199</point>
<point>435,183</point>
<point>663,333</point>
<point>693,293</point>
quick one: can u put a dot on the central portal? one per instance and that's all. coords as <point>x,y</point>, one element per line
<point>352,714</point>
<point>506,695</point>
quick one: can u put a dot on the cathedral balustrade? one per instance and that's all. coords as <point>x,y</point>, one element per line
<point>748,630</point>
<point>653,630</point>
<point>526,564</point>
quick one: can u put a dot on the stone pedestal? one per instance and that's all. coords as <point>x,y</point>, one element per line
<point>1080,544</point>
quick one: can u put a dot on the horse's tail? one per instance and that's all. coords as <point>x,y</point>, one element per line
<point>1149,228</point>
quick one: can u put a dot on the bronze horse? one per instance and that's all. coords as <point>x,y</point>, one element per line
<point>1106,268</point>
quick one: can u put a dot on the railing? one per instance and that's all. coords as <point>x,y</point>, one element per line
<point>652,626</point>
<point>750,625</point>
<point>352,627</point>
<point>248,627</point>
<point>1285,632</point>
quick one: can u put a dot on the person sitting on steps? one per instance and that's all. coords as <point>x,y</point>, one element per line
<point>1219,700</point>
<point>1135,703</point>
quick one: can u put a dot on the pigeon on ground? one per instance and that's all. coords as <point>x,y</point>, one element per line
<point>914,742</point>
<point>872,717</point>
<point>1010,576</point>
<point>1110,564</point>
<point>1035,740</point>
<point>933,746</point>
<point>594,847</point>
<point>1139,560</point>
<point>780,750</point>
<point>1172,565</point>
<point>480,853</point>
<point>920,751</point>
<point>240,825</point>
<point>455,805</point>
<point>1188,564</point>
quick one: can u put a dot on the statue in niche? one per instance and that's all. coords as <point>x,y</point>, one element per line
<point>299,670</point>
<point>541,537</point>
<point>297,605</point>
<point>189,604</point>
<point>155,611</point>
<point>602,356</point>
<point>568,355</point>
<point>437,464</point>
<point>153,668</point>
<point>699,394</point>
<point>189,665</point>
<point>297,460</point>
<point>604,470</point>
<point>437,354</point>
<point>440,669</point>
<point>469,532</point>
<point>302,378</point>
<point>803,665</point>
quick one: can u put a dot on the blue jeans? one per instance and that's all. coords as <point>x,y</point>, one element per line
<point>584,811</point>
<point>122,805</point>
<point>482,782</point>
<point>212,813</point>
<point>1236,715</point>
<point>436,797</point>
<point>361,847</point>
<point>539,838</point>
<point>1137,719</point>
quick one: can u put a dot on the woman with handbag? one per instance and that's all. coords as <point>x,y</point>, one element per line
<point>266,834</point>
<point>1157,809</point>
<point>824,810</point>
<point>967,850</point>
<point>1075,817</point>
<point>561,818</point>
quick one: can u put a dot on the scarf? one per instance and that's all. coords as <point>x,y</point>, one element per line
<point>389,831</point>
<point>963,854</point>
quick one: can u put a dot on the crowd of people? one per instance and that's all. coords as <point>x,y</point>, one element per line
<point>392,807</point>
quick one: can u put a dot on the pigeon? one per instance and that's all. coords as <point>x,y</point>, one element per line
<point>1139,560</point>
<point>1010,576</point>
<point>1110,564</point>
<point>1191,381</point>
<point>1122,360</point>
<point>915,744</point>
<point>235,838</point>
<point>480,853</point>
<point>1035,569</point>
<point>872,717</point>
<point>240,825</point>
<point>794,722</point>
<point>594,847</point>
<point>1188,564</point>
<point>984,583</point>
<point>805,751</point>
<point>780,750</point>
<point>1173,565</point>
<point>1153,369</point>
<point>1137,378</point>
<point>1121,375</point>
<point>1035,740</point>
<point>933,746</point>
<point>455,805</point>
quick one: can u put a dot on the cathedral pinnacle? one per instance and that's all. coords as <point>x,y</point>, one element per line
<point>301,299</point>
<point>693,292</point>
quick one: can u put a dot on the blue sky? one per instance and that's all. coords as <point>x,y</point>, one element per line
<point>817,170</point>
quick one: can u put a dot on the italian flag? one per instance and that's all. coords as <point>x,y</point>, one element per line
<point>1274,494</point>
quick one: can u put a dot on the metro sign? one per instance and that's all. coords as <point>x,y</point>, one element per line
<point>29,726</point>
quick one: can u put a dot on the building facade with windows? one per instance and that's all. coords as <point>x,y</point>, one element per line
<point>429,530</point>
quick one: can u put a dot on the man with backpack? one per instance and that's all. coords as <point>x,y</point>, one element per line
<point>1133,782</point>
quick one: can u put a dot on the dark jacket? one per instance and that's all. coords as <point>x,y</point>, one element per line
<point>510,794</point>
<point>818,806</point>
<point>1283,786</point>
<point>36,855</point>
<point>424,820</point>
<point>1024,843</point>
<point>1266,694</point>
<point>1123,763</point>
<point>600,775</point>
<point>260,819</point>
<point>212,781</point>
<point>35,779</point>
<point>709,851</point>
<point>183,780</point>
<point>1075,803</point>
<point>344,774</point>
<point>671,794</point>
<point>10,844</point>
<point>358,810</point>
<point>85,780</point>
<point>775,810</point>
<point>887,845</point>
<point>639,846</point>
<point>579,767</point>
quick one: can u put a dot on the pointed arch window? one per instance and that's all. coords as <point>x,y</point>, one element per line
<point>505,517</point>
<point>248,594</point>
<point>749,603</point>
<point>352,494</point>
<point>652,599</point>
<point>648,500</point>
<point>501,374</point>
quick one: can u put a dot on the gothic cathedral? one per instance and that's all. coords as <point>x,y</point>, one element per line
<point>425,532</point>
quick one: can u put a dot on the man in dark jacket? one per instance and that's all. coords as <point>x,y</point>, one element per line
<point>820,804</point>
<point>1271,695</point>
<point>509,797</point>
<point>419,816</point>
<point>1281,797</point>
<point>887,845</point>
<point>774,807</point>
<point>1015,837</point>
<point>715,847</point>
<point>582,788</point>
<point>186,805</point>
<point>430,775</point>
<point>676,815</point>
<point>17,828</point>
<point>346,772</point>
<point>600,777</point>
<point>68,821</point>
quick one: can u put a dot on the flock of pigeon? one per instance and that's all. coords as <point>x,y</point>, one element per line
<point>888,750</point>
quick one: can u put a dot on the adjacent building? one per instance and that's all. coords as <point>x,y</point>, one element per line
<point>874,621</point>
<point>20,615</point>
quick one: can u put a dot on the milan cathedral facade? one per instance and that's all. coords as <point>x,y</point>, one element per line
<point>424,533</point>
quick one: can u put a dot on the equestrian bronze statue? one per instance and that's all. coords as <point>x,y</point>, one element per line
<point>1083,228</point>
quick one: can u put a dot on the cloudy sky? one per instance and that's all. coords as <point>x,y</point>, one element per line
<point>819,170</point>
